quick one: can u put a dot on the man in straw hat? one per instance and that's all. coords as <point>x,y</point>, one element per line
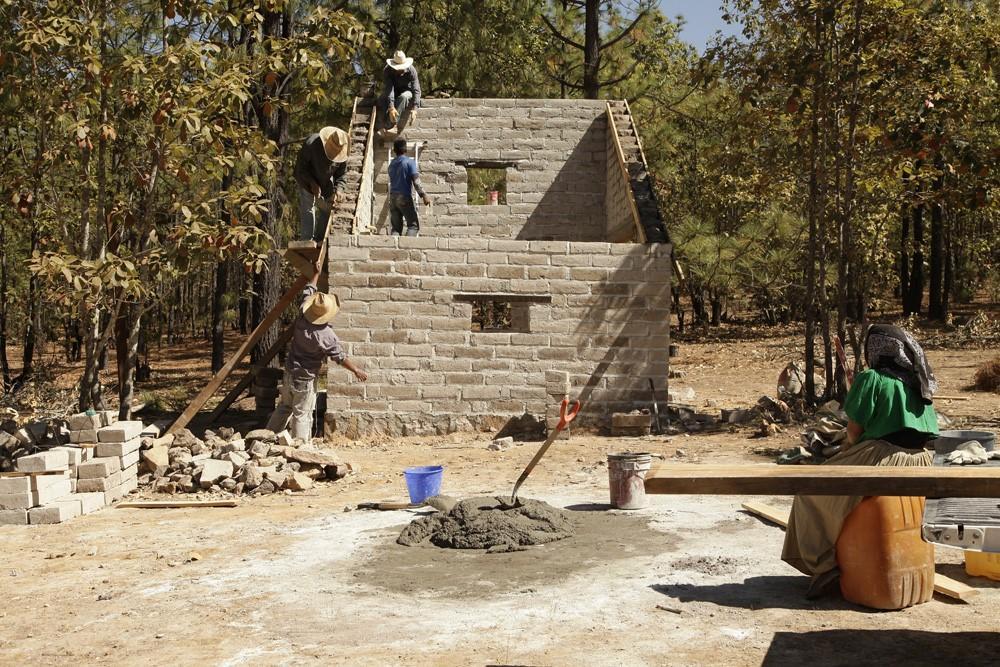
<point>321,172</point>
<point>312,341</point>
<point>400,97</point>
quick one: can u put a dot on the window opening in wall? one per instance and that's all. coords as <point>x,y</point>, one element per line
<point>502,312</point>
<point>492,315</point>
<point>486,185</point>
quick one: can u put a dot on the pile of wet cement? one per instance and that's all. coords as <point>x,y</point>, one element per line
<point>490,523</point>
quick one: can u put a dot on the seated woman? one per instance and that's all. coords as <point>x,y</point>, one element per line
<point>891,418</point>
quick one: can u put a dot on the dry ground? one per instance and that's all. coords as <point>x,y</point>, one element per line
<point>299,580</point>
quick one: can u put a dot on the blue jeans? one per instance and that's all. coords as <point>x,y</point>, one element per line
<point>314,214</point>
<point>402,207</point>
<point>403,104</point>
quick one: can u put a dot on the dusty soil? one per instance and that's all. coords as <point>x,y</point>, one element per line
<point>299,580</point>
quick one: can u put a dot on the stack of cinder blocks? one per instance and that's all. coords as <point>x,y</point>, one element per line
<point>42,490</point>
<point>99,468</point>
<point>114,469</point>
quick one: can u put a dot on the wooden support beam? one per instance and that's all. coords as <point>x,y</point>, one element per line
<point>161,504</point>
<point>238,390</point>
<point>775,480</point>
<point>302,260</point>
<point>213,386</point>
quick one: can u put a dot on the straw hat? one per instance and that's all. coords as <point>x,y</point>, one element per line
<point>321,308</point>
<point>335,143</point>
<point>399,61</point>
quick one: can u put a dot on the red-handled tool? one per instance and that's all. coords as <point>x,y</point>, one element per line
<point>566,415</point>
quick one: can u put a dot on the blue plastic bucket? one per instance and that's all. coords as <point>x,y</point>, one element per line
<point>423,482</point>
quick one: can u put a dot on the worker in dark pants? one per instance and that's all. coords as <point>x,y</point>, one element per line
<point>404,178</point>
<point>400,98</point>
<point>321,172</point>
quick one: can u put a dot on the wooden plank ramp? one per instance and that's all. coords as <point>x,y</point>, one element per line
<point>775,480</point>
<point>942,584</point>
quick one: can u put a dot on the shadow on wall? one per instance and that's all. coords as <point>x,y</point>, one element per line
<point>572,207</point>
<point>882,647</point>
<point>630,317</point>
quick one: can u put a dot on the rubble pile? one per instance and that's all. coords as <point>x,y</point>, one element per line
<point>259,463</point>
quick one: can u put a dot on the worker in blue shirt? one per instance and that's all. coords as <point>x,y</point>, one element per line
<point>404,178</point>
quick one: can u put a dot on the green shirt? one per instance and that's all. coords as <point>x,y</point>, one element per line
<point>883,405</point>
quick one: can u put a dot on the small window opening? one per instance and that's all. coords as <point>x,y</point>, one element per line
<point>486,186</point>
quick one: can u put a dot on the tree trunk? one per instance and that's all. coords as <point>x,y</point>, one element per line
<point>218,315</point>
<point>904,256</point>
<point>935,308</point>
<point>267,283</point>
<point>4,364</point>
<point>915,295</point>
<point>33,319</point>
<point>127,343</point>
<point>592,51</point>
<point>949,271</point>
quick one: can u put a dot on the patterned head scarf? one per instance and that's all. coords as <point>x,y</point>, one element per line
<point>896,353</point>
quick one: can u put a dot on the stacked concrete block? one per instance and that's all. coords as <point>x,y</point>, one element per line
<point>597,312</point>
<point>63,482</point>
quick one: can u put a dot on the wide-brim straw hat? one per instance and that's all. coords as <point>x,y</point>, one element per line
<point>399,61</point>
<point>321,308</point>
<point>335,143</point>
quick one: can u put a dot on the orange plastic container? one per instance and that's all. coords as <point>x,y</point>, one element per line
<point>979,564</point>
<point>884,563</point>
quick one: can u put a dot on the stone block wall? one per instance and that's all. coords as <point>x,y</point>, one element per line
<point>618,199</point>
<point>593,313</point>
<point>554,152</point>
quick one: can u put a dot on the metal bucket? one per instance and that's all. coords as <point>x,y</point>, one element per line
<point>947,441</point>
<point>626,478</point>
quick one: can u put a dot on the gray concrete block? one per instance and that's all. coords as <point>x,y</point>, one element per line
<point>12,485</point>
<point>100,484</point>
<point>120,432</point>
<point>44,461</point>
<point>85,422</point>
<point>89,502</point>
<point>53,491</point>
<point>98,467</point>
<point>39,482</point>
<point>17,517</point>
<point>54,512</point>
<point>18,501</point>
<point>88,436</point>
<point>130,460</point>
<point>76,454</point>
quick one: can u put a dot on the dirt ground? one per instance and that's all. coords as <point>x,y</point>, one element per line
<point>306,579</point>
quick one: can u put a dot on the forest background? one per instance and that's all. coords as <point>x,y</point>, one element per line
<point>833,161</point>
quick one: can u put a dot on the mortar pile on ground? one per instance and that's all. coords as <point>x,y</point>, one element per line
<point>489,522</point>
<point>262,462</point>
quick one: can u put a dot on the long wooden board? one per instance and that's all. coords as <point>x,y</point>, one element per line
<point>775,480</point>
<point>168,504</point>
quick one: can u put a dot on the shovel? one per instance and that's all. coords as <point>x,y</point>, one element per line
<point>566,415</point>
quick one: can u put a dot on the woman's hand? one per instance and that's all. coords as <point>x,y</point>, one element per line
<point>854,432</point>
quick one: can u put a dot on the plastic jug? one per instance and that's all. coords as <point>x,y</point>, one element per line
<point>884,563</point>
<point>979,564</point>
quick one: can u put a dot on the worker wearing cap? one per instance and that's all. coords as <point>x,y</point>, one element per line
<point>400,97</point>
<point>321,172</point>
<point>313,341</point>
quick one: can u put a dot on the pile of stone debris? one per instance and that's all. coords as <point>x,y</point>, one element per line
<point>261,462</point>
